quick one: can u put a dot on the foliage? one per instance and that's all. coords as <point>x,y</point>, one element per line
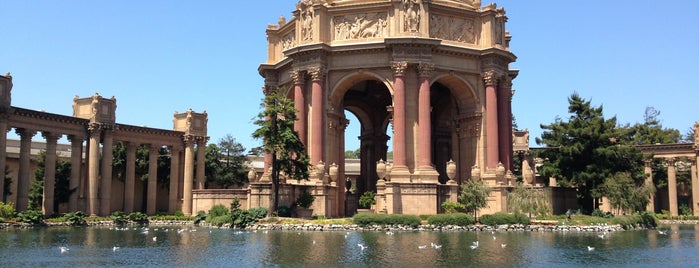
<point>626,194</point>
<point>280,140</point>
<point>226,163</point>
<point>7,184</point>
<point>453,207</point>
<point>7,210</point>
<point>31,216</point>
<point>283,211</point>
<point>349,154</point>
<point>473,195</point>
<point>652,132</point>
<point>217,211</point>
<point>527,200</point>
<point>458,219</point>
<point>305,200</point>
<point>138,217</point>
<point>243,218</point>
<point>599,213</point>
<point>201,215</point>
<point>588,149</point>
<point>367,199</point>
<point>362,219</point>
<point>175,217</point>
<point>119,152</point>
<point>500,218</point>
<point>258,212</point>
<point>76,218</point>
<point>644,220</point>
<point>685,209</point>
<point>220,220</point>
<point>119,218</point>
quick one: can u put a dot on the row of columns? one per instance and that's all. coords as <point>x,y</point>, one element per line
<point>498,97</point>
<point>672,185</point>
<point>99,179</point>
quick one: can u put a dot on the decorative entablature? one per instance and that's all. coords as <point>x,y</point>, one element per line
<point>458,23</point>
<point>669,150</point>
<point>191,123</point>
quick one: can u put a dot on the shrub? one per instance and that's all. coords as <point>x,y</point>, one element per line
<point>453,207</point>
<point>119,218</point>
<point>31,216</point>
<point>76,218</point>
<point>386,219</point>
<point>7,210</point>
<point>258,213</point>
<point>283,211</point>
<point>599,213</point>
<point>201,215</point>
<point>138,217</point>
<point>219,220</point>
<point>216,211</point>
<point>305,200</point>
<point>458,219</point>
<point>179,213</point>
<point>649,219</point>
<point>500,218</point>
<point>367,199</point>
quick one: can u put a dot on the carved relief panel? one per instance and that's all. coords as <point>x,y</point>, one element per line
<point>453,28</point>
<point>360,26</point>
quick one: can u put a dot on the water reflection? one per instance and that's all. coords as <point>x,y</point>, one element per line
<point>196,247</point>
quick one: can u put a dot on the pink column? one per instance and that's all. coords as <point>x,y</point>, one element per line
<point>399,114</point>
<point>188,175</point>
<point>317,115</point>
<point>152,179</point>
<point>505,122</point>
<point>299,105</point>
<point>491,106</point>
<point>424,117</point>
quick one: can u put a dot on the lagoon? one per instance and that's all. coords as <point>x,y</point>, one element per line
<point>178,246</point>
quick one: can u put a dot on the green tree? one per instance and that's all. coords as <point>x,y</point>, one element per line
<point>473,196</point>
<point>7,185</point>
<point>225,163</point>
<point>281,141</point>
<point>62,189</point>
<point>652,132</point>
<point>528,200</point>
<point>626,194</point>
<point>349,154</point>
<point>588,150</point>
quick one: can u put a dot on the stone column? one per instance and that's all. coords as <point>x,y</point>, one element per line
<point>107,159</point>
<point>695,188</point>
<point>491,106</point>
<point>76,155</point>
<point>93,168</point>
<point>317,109</point>
<point>152,179</point>
<point>648,169</point>
<point>505,122</point>
<point>299,105</point>
<point>399,157</point>
<point>188,174</point>
<point>3,155</point>
<point>672,186</point>
<point>130,180</point>
<point>424,116</point>
<point>173,199</point>
<point>50,172</point>
<point>201,166</point>
<point>24,176</point>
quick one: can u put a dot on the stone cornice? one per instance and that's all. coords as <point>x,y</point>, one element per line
<point>148,130</point>
<point>22,112</point>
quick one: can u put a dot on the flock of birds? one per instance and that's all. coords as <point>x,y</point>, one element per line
<point>144,230</point>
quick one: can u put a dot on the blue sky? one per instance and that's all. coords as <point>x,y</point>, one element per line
<point>158,57</point>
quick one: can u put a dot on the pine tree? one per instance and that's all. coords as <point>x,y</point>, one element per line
<point>281,141</point>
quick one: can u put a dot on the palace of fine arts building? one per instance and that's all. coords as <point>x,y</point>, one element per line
<point>429,82</point>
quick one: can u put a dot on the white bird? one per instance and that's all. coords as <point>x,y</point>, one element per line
<point>362,246</point>
<point>474,245</point>
<point>589,248</point>
<point>389,232</point>
<point>64,249</point>
<point>422,246</point>
<point>115,248</point>
<point>503,245</point>
<point>494,238</point>
<point>662,232</point>
<point>314,242</point>
<point>155,238</point>
<point>601,236</point>
<point>180,231</point>
<point>437,246</point>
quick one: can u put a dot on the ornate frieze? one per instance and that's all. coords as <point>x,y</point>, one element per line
<point>288,40</point>
<point>453,28</point>
<point>306,18</point>
<point>360,26</point>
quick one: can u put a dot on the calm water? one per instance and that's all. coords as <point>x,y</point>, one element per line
<point>198,247</point>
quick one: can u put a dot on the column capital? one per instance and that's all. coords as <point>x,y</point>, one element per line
<point>648,162</point>
<point>25,133</point>
<point>399,67</point>
<point>316,73</point>
<point>201,141</point>
<point>189,140</point>
<point>297,76</point>
<point>51,137</point>
<point>670,161</point>
<point>425,69</point>
<point>491,78</point>
<point>76,138</point>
